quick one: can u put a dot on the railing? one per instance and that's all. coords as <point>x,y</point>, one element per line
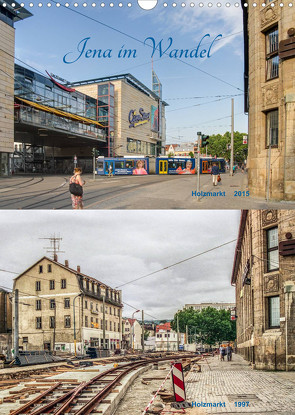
<point>44,119</point>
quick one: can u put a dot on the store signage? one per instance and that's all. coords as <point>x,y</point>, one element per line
<point>287,247</point>
<point>138,119</point>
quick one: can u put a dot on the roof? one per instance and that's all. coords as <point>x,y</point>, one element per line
<point>74,271</point>
<point>237,257</point>
<point>130,79</point>
<point>164,326</point>
<point>17,12</point>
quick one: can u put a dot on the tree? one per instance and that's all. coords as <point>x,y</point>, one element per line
<point>170,154</point>
<point>191,154</point>
<point>146,334</point>
<point>219,145</point>
<point>210,325</point>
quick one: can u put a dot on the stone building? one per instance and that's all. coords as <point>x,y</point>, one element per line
<point>270,99</point>
<point>5,323</point>
<point>58,304</point>
<point>133,114</point>
<point>8,16</point>
<point>264,278</point>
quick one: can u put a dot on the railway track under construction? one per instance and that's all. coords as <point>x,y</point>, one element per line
<point>66,397</point>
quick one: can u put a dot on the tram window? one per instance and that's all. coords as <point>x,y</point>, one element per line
<point>100,164</point>
<point>171,164</point>
<point>119,165</point>
<point>129,164</point>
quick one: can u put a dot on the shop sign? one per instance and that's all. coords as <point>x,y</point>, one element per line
<point>138,119</point>
<point>287,247</point>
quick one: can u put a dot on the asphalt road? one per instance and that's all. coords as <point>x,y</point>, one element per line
<point>132,192</point>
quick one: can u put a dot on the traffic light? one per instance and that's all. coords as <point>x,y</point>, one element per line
<point>95,152</point>
<point>205,140</point>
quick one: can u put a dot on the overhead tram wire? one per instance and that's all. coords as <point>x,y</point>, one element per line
<point>176,263</point>
<point>141,42</point>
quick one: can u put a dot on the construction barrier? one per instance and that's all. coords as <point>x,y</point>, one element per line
<point>178,382</point>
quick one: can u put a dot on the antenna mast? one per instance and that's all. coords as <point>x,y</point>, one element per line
<point>54,247</point>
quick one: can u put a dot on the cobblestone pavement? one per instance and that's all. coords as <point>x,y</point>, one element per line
<point>235,381</point>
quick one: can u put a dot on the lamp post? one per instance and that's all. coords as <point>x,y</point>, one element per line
<point>79,295</point>
<point>137,311</point>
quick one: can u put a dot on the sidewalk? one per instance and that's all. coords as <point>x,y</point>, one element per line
<point>235,381</point>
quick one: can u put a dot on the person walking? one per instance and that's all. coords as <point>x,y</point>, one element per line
<point>222,352</point>
<point>215,172</point>
<point>229,351</point>
<point>110,170</point>
<point>76,189</point>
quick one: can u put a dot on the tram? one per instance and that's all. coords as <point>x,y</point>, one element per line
<point>206,164</point>
<point>122,165</point>
<point>175,165</point>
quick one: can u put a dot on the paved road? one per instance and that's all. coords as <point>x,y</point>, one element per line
<point>230,382</point>
<point>132,192</point>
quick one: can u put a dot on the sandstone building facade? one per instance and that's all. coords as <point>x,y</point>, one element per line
<point>264,278</point>
<point>58,305</point>
<point>270,99</point>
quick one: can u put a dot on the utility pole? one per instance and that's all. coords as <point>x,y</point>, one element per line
<point>198,166</point>
<point>75,338</point>
<point>103,322</point>
<point>186,333</point>
<point>142,329</point>
<point>54,248</point>
<point>93,153</point>
<point>16,323</point>
<point>177,333</point>
<point>232,139</point>
<point>54,327</point>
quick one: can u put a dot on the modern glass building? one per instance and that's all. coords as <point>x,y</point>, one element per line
<point>56,125</point>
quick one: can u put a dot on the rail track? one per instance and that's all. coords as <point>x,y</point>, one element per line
<point>84,398</point>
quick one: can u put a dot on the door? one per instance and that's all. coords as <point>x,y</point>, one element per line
<point>163,167</point>
<point>47,346</point>
<point>205,166</point>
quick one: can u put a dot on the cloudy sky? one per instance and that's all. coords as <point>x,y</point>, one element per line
<point>116,247</point>
<point>198,90</point>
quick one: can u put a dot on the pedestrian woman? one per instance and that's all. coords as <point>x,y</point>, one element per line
<point>76,189</point>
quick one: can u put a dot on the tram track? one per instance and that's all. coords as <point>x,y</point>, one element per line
<point>84,398</point>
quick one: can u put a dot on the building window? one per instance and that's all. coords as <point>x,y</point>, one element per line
<point>272,128</point>
<point>40,269</point>
<point>274,311</point>
<point>91,305</point>
<point>96,307</point>
<point>38,322</point>
<point>110,310</point>
<point>96,322</point>
<point>51,322</point>
<point>272,249</point>
<point>91,322</point>
<point>38,304</point>
<point>49,268</point>
<point>67,321</point>
<point>25,340</point>
<point>51,284</point>
<point>110,326</point>
<point>63,283</point>
<point>52,304</point>
<point>38,285</point>
<point>86,304</point>
<point>272,53</point>
<point>67,303</point>
<point>86,321</point>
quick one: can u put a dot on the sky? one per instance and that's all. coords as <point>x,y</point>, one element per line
<point>43,40</point>
<point>117,248</point>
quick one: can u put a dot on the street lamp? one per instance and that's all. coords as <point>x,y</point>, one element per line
<point>137,311</point>
<point>79,295</point>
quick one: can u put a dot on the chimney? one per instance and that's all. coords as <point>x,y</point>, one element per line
<point>78,268</point>
<point>55,258</point>
<point>67,263</point>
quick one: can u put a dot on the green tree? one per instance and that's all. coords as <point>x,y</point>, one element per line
<point>146,334</point>
<point>191,154</point>
<point>219,145</point>
<point>209,325</point>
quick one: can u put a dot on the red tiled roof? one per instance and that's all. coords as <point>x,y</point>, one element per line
<point>165,326</point>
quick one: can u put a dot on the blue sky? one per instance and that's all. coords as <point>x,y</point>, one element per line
<point>44,39</point>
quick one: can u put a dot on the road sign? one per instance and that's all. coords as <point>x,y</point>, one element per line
<point>178,382</point>
<point>245,139</point>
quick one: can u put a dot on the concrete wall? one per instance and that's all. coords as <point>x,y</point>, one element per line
<point>267,95</point>
<point>6,91</point>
